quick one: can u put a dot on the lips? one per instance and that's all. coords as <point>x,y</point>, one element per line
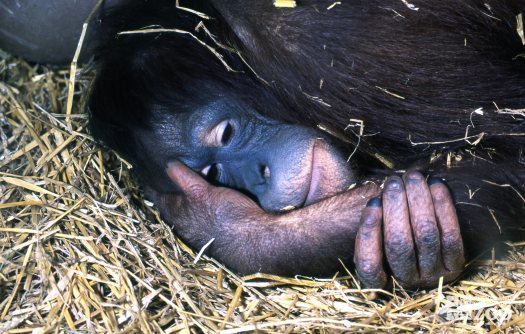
<point>315,178</point>
<point>329,174</point>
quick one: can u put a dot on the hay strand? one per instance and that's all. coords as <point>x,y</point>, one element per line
<point>82,252</point>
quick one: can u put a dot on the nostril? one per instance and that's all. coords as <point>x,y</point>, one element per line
<point>265,172</point>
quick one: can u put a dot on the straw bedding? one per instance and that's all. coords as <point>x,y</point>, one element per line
<point>82,252</point>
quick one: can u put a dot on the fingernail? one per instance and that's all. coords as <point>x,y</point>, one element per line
<point>433,180</point>
<point>393,183</point>
<point>171,170</point>
<point>374,203</point>
<point>171,164</point>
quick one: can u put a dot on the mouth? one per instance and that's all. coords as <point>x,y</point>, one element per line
<point>329,174</point>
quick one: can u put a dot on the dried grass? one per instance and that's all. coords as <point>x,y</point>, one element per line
<point>81,252</point>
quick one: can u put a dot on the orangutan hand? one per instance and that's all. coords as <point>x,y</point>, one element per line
<point>236,231</point>
<point>416,226</point>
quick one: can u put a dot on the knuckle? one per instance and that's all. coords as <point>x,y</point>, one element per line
<point>427,234</point>
<point>399,246</point>
<point>372,275</point>
<point>369,268</point>
<point>365,233</point>
<point>452,238</point>
<point>369,222</point>
<point>397,240</point>
<point>428,242</point>
<point>454,248</point>
<point>196,189</point>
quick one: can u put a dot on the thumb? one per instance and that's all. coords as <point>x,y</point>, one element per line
<point>190,182</point>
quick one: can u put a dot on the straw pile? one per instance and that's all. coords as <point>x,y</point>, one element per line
<point>82,252</point>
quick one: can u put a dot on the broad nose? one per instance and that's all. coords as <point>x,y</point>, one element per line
<point>250,175</point>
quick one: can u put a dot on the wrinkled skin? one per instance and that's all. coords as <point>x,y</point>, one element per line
<point>418,229</point>
<point>249,239</point>
<point>245,151</point>
<point>413,77</point>
<point>436,61</point>
<point>279,165</point>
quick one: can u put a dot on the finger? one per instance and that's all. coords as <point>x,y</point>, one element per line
<point>424,225</point>
<point>368,256</point>
<point>447,219</point>
<point>397,233</point>
<point>190,182</point>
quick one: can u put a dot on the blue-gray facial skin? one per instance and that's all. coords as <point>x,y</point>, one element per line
<point>279,165</point>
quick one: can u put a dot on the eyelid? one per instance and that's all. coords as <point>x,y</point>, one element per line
<point>214,137</point>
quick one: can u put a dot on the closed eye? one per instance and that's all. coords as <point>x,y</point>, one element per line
<point>220,135</point>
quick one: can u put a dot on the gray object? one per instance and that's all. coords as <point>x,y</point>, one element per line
<point>46,31</point>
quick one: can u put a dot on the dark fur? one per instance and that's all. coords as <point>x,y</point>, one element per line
<point>446,60</point>
<point>421,57</point>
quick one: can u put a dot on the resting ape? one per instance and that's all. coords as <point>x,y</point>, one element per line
<point>409,73</point>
